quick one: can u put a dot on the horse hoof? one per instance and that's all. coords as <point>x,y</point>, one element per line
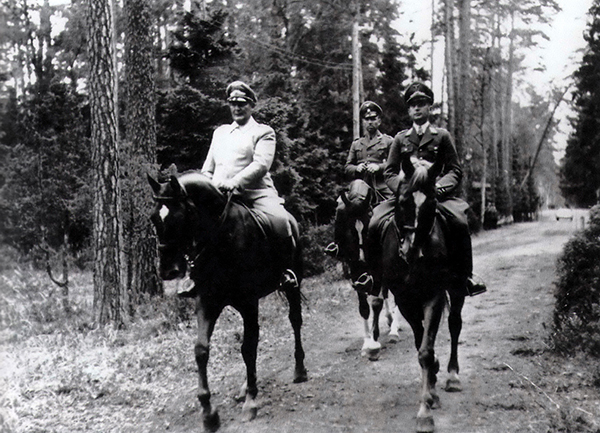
<point>453,385</point>
<point>212,422</point>
<point>300,376</point>
<point>371,349</point>
<point>394,337</point>
<point>371,354</point>
<point>425,425</point>
<point>249,411</point>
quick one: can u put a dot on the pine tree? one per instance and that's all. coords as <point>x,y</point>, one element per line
<point>110,300</point>
<point>580,178</point>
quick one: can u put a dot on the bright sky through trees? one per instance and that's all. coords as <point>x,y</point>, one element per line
<point>559,56</point>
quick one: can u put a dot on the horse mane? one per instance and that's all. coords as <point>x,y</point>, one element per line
<point>202,191</point>
<point>419,179</point>
<point>420,176</point>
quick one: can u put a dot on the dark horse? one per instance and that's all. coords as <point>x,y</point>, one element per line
<point>234,263</point>
<point>416,269</point>
<point>359,199</point>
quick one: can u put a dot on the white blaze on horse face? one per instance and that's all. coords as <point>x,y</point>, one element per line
<point>163,212</point>
<point>419,199</point>
<point>359,226</point>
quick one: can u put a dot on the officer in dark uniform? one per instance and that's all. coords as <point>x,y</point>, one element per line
<point>366,160</point>
<point>435,145</point>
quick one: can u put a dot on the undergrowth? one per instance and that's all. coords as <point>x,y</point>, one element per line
<point>61,373</point>
<point>577,307</point>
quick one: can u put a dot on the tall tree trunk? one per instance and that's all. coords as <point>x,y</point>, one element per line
<point>450,53</point>
<point>464,97</point>
<point>495,82</point>
<point>485,81</point>
<point>356,73</point>
<point>110,297</point>
<point>142,257</point>
<point>507,123</point>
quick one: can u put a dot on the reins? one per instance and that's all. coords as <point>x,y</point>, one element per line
<point>220,222</point>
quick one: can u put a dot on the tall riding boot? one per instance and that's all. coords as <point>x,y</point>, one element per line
<point>287,261</point>
<point>464,265</point>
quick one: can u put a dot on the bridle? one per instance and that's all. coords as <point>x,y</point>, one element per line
<point>189,249</point>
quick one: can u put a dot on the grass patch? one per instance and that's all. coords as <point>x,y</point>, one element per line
<point>60,373</point>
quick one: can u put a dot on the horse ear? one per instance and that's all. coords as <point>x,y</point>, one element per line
<point>345,198</point>
<point>154,184</point>
<point>178,190</point>
<point>408,167</point>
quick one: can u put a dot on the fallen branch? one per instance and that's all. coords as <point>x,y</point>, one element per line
<point>522,376</point>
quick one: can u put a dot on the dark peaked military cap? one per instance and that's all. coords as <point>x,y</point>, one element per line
<point>370,109</point>
<point>416,91</point>
<point>238,91</point>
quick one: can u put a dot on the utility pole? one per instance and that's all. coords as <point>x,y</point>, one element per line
<point>356,73</point>
<point>432,47</point>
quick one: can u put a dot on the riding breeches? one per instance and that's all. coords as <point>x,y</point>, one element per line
<point>272,206</point>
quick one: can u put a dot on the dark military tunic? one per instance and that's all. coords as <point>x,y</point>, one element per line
<point>435,146</point>
<point>375,151</point>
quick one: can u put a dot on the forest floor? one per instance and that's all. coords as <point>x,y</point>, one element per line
<point>73,378</point>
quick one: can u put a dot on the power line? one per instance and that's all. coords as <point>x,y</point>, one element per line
<point>294,56</point>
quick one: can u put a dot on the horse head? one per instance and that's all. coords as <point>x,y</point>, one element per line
<point>187,209</point>
<point>416,206</point>
<point>359,199</point>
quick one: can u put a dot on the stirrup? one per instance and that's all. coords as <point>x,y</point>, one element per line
<point>332,249</point>
<point>289,279</point>
<point>475,286</point>
<point>364,283</point>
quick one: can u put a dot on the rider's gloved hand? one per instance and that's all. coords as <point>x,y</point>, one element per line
<point>372,168</point>
<point>227,185</point>
<point>361,167</point>
<point>440,191</point>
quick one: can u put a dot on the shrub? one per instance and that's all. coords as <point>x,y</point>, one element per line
<point>314,238</point>
<point>577,308</point>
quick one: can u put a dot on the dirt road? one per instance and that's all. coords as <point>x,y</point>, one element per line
<point>510,383</point>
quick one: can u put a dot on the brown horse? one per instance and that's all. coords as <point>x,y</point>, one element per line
<point>359,199</point>
<point>234,263</point>
<point>416,269</point>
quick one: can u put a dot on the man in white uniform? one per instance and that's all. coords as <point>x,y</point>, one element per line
<point>239,159</point>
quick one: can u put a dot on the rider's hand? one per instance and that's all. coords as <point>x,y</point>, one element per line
<point>361,167</point>
<point>440,191</point>
<point>372,168</point>
<point>227,185</point>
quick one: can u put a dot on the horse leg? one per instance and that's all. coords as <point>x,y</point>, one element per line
<point>430,366</point>
<point>207,317</point>
<point>372,346</point>
<point>295,316</point>
<point>364,309</point>
<point>457,301</point>
<point>249,314</point>
<point>413,314</point>
<point>392,314</point>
